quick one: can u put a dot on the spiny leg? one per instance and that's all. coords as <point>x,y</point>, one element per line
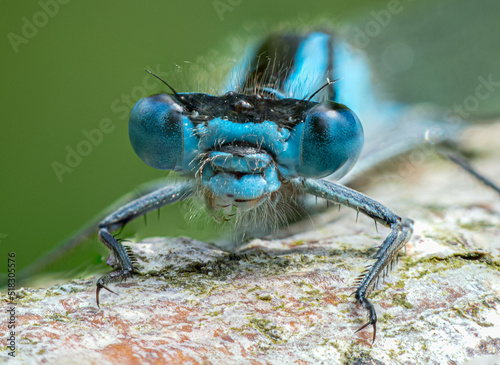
<point>120,257</point>
<point>458,159</point>
<point>401,231</point>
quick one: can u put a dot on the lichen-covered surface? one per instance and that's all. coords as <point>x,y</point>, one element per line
<point>288,301</point>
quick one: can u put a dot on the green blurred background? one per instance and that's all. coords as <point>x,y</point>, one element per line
<point>83,63</point>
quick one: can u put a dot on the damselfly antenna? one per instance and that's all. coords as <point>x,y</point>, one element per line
<point>328,83</point>
<point>170,87</point>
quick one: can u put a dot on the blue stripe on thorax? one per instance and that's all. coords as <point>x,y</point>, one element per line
<point>310,68</point>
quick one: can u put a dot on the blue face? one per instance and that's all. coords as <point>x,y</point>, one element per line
<point>247,144</point>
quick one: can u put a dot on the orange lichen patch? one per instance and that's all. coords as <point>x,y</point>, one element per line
<point>255,362</point>
<point>252,336</point>
<point>294,325</point>
<point>73,340</point>
<point>366,337</point>
<point>433,298</point>
<point>166,306</point>
<point>183,338</point>
<point>116,322</point>
<point>44,334</point>
<point>223,335</point>
<point>28,318</point>
<point>332,299</point>
<point>186,328</point>
<point>71,304</point>
<point>124,353</point>
<point>301,362</point>
<point>227,338</point>
<point>175,316</point>
<point>178,356</point>
<point>98,319</point>
<point>454,294</point>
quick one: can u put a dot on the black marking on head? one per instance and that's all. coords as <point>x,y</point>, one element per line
<point>240,108</point>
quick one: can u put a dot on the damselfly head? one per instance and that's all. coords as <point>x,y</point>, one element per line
<point>241,148</point>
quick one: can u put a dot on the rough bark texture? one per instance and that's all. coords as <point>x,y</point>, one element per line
<point>288,301</point>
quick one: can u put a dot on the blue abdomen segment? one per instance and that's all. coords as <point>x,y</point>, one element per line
<point>161,135</point>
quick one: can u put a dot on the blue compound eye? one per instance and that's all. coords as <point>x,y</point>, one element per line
<point>331,141</point>
<point>156,131</point>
